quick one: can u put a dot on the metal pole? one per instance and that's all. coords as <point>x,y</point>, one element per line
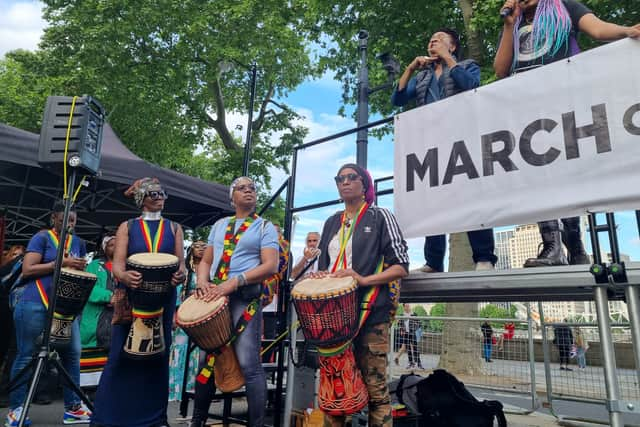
<point>633,305</point>
<point>293,338</point>
<point>638,221</point>
<point>547,357</point>
<point>595,240</point>
<point>532,359</point>
<point>608,357</point>
<point>363,100</point>
<point>247,144</point>
<point>613,237</point>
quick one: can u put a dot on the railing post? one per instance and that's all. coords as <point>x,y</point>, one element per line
<point>633,305</point>
<point>547,356</point>
<point>532,359</point>
<point>608,357</point>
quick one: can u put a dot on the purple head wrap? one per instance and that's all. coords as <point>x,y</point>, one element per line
<point>367,182</point>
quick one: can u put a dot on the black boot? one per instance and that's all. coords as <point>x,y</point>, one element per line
<point>572,240</point>
<point>551,253</point>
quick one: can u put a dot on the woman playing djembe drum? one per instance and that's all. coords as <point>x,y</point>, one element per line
<point>242,251</point>
<point>134,386</point>
<point>31,303</point>
<point>364,242</point>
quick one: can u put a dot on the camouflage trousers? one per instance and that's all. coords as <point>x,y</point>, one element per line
<point>371,348</point>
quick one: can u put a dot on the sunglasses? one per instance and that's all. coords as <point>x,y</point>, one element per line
<point>244,187</point>
<point>156,195</point>
<point>198,245</point>
<point>342,178</point>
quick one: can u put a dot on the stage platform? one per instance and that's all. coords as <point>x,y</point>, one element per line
<point>562,283</point>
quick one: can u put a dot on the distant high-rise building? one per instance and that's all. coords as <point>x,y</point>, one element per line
<point>503,239</point>
<point>524,244</point>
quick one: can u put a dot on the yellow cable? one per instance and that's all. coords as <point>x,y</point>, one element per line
<point>280,337</point>
<point>66,147</point>
<point>75,195</point>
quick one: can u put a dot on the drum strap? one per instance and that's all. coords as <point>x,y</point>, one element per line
<point>152,243</point>
<point>230,243</point>
<point>241,325</point>
<point>55,241</point>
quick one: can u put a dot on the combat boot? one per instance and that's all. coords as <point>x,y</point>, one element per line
<point>572,240</point>
<point>551,253</point>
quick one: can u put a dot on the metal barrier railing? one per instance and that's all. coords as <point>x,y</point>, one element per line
<point>526,363</point>
<point>508,368</point>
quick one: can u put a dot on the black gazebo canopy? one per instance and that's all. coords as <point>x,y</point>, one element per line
<point>28,191</point>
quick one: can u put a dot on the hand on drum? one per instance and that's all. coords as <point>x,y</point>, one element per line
<point>350,273</point>
<point>317,275</point>
<point>132,278</point>
<point>212,292</point>
<point>178,278</point>
<point>75,263</point>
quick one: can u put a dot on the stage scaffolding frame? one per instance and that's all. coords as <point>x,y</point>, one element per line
<point>600,282</point>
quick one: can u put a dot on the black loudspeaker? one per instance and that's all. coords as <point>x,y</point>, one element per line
<point>85,138</point>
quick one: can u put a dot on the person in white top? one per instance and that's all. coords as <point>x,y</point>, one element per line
<point>309,256</point>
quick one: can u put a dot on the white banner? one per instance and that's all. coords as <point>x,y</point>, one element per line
<point>558,141</point>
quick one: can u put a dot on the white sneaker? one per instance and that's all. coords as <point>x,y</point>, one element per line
<point>484,266</point>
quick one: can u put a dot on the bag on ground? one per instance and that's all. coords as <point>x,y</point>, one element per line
<point>444,401</point>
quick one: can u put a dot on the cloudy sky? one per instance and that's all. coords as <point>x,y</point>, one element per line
<point>318,102</point>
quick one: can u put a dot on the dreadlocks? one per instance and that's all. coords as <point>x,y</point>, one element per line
<point>551,24</point>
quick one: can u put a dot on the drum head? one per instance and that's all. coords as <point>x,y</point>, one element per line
<point>194,310</point>
<point>152,259</point>
<point>322,288</point>
<point>78,273</point>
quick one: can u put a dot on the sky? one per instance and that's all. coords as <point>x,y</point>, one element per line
<point>318,102</point>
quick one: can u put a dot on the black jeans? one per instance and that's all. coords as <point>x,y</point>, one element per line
<point>482,245</point>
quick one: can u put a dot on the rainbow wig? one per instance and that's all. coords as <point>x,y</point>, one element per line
<point>551,22</point>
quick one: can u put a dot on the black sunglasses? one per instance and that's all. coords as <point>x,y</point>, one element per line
<point>156,195</point>
<point>342,178</point>
<point>243,187</point>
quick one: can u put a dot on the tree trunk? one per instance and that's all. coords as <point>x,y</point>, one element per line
<point>474,41</point>
<point>461,340</point>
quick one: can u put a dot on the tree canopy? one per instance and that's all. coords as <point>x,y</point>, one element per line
<point>171,74</point>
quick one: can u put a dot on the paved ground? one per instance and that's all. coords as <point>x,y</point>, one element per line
<point>51,415</point>
<point>513,375</point>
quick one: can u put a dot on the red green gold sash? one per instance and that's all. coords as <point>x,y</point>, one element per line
<point>152,243</point>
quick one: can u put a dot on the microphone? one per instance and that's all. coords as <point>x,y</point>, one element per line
<point>507,11</point>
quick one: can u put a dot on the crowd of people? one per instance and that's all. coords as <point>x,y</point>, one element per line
<point>362,241</point>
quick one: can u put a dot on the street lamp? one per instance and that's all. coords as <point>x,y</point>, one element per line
<point>224,67</point>
<point>392,67</point>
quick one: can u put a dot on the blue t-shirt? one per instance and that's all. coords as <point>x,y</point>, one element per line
<point>246,255</point>
<point>42,244</point>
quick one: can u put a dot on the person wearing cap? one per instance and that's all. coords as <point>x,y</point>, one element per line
<point>365,242</point>
<point>95,323</point>
<point>241,252</point>
<point>135,393</point>
<point>441,74</point>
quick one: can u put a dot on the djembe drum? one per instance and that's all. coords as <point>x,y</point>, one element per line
<point>72,293</point>
<point>146,335</point>
<point>328,312</point>
<point>209,324</point>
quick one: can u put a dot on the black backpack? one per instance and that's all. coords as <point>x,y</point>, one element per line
<point>444,401</point>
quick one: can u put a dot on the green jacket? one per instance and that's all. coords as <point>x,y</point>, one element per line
<point>98,300</point>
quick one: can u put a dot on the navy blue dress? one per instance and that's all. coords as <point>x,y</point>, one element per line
<point>135,393</point>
